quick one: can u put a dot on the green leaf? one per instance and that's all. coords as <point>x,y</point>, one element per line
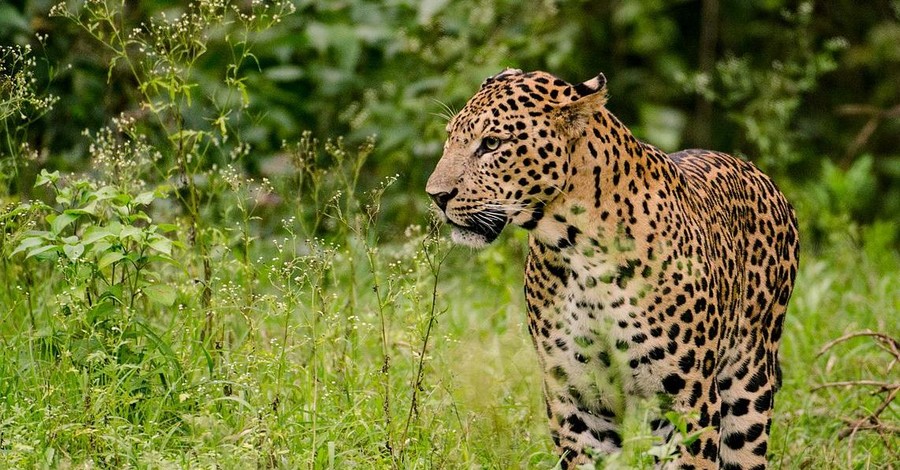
<point>130,232</point>
<point>690,438</point>
<point>161,244</point>
<point>27,243</point>
<point>11,20</point>
<point>144,198</point>
<point>99,248</point>
<point>93,234</point>
<point>163,259</point>
<point>41,249</point>
<point>121,199</point>
<point>73,252</point>
<point>109,258</point>
<point>113,292</point>
<point>139,215</point>
<point>167,228</point>
<point>160,293</point>
<point>105,192</point>
<point>46,178</point>
<point>114,228</point>
<point>62,221</point>
<point>210,363</point>
<point>90,208</point>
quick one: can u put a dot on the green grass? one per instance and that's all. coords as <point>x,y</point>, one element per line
<point>843,290</point>
<point>298,378</point>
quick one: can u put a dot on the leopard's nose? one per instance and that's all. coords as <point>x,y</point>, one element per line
<point>443,197</point>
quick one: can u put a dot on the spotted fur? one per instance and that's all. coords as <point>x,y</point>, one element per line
<point>648,274</point>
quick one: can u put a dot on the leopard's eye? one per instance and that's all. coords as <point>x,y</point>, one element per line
<point>488,144</point>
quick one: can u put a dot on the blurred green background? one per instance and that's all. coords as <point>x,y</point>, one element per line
<point>809,91</point>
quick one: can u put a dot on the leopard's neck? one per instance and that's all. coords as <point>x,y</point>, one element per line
<point>612,190</point>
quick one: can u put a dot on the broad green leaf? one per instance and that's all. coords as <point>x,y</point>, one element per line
<point>160,293</point>
<point>121,199</point>
<point>99,248</point>
<point>162,245</point>
<point>46,178</point>
<point>130,232</point>
<point>61,221</point>
<point>89,208</point>
<point>163,259</point>
<point>94,233</point>
<point>77,292</point>
<point>114,228</point>
<point>106,192</point>
<point>27,243</point>
<point>139,215</point>
<point>73,252</point>
<point>144,198</point>
<point>41,249</point>
<point>163,190</point>
<point>109,258</point>
<point>166,228</point>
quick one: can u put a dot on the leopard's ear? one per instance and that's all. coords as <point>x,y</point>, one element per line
<point>588,97</point>
<point>592,88</point>
<point>505,73</point>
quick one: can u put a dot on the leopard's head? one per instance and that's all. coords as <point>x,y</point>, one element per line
<point>507,153</point>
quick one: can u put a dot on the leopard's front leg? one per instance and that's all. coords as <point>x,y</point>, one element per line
<point>581,390</point>
<point>697,400</point>
<point>576,429</point>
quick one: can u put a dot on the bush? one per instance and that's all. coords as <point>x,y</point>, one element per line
<point>788,78</point>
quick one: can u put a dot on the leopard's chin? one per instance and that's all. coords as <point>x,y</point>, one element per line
<point>482,229</point>
<point>470,238</point>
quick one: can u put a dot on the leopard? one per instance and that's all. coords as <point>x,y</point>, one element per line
<point>649,275</point>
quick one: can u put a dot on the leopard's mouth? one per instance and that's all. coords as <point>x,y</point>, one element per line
<point>481,228</point>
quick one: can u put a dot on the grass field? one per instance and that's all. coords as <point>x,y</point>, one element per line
<point>359,354</point>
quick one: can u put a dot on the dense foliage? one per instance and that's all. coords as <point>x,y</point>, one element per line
<point>215,247</point>
<point>803,90</point>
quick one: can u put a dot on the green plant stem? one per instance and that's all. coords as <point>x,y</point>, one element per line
<point>435,269</point>
<point>385,351</point>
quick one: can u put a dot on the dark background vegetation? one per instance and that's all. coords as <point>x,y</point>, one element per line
<point>808,91</point>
